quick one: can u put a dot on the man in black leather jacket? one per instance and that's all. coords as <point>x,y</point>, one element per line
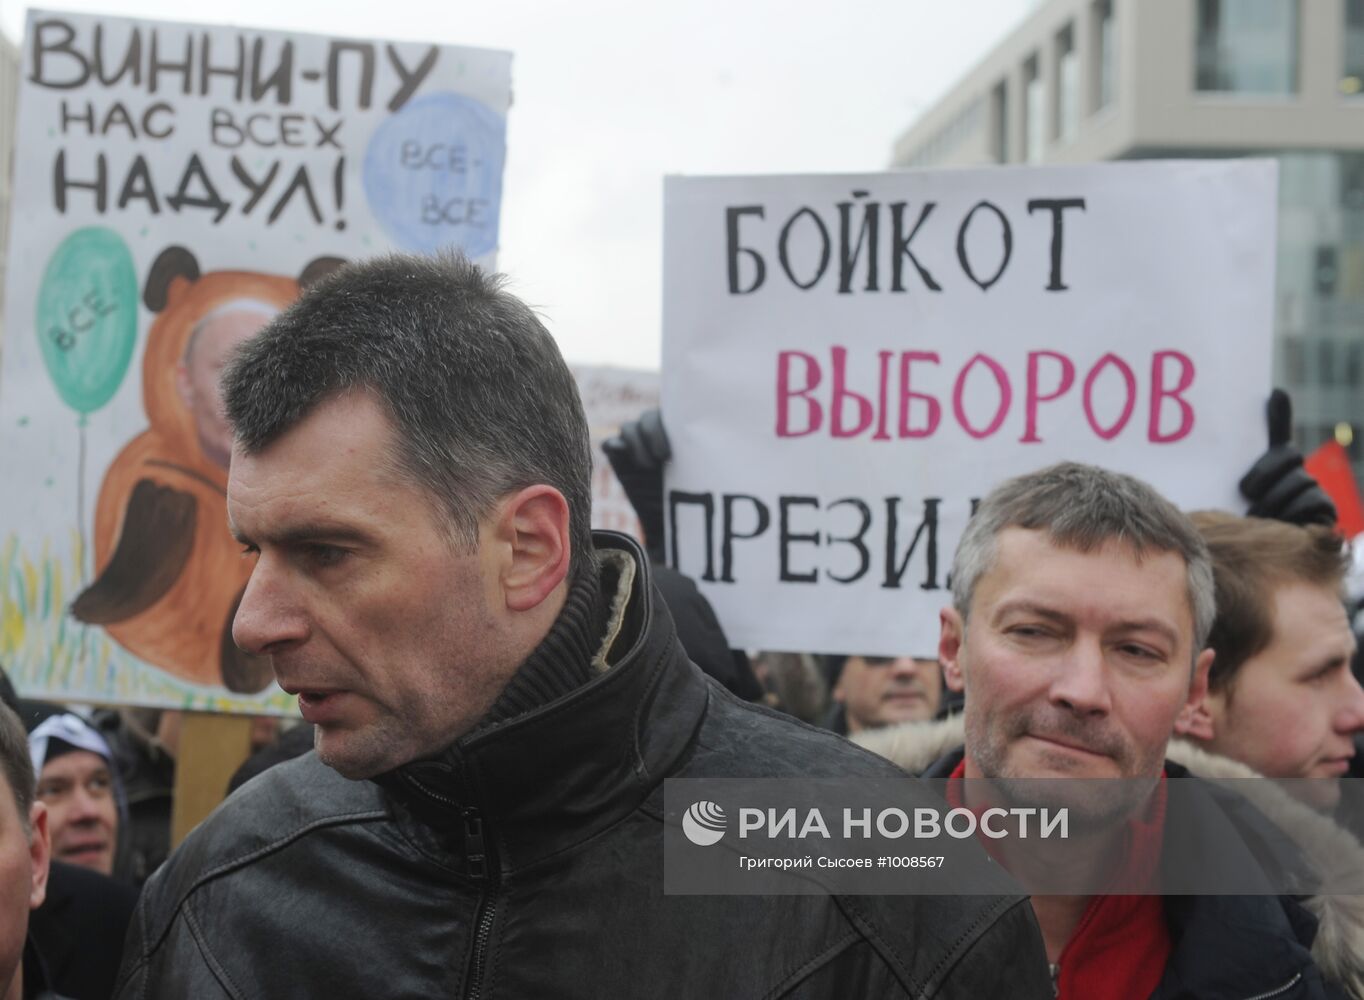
<point>497,697</point>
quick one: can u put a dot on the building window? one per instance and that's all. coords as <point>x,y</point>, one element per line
<point>1247,46</point>
<point>999,118</point>
<point>1034,112</point>
<point>1352,182</point>
<point>1326,362</point>
<point>1320,315</point>
<point>1105,54</point>
<point>1067,85</point>
<point>1294,362</point>
<point>1326,272</point>
<point>1352,71</point>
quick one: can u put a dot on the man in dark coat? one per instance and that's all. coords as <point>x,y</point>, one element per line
<point>869,692</point>
<point>79,930</point>
<point>25,853</point>
<point>498,698</point>
<point>75,937</point>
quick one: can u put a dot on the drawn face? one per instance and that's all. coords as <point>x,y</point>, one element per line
<point>23,878</point>
<point>197,375</point>
<point>78,790</point>
<point>1075,664</point>
<point>882,690</point>
<point>383,626</point>
<point>1293,709</point>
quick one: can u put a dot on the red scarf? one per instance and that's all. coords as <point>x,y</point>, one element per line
<point>1120,946</point>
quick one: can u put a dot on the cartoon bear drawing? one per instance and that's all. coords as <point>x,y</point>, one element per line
<point>169,575</point>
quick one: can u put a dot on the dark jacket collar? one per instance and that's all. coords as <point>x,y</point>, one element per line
<point>1233,946</point>
<point>554,775</point>
<point>564,659</point>
<point>36,978</point>
<point>1221,945</point>
<point>943,767</point>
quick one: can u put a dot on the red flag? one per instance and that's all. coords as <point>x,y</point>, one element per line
<point>1330,466</point>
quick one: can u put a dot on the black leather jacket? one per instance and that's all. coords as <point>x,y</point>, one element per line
<point>527,862</point>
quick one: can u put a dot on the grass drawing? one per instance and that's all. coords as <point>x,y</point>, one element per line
<point>50,655</point>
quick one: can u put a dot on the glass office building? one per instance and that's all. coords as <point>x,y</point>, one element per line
<point>1086,80</point>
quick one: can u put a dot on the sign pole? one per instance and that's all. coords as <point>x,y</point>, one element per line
<point>212,747</point>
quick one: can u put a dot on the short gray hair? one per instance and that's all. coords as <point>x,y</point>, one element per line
<point>480,396</point>
<point>1081,507</point>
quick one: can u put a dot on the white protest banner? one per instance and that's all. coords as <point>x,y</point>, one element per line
<point>175,186</point>
<point>849,362</point>
<point>611,397</point>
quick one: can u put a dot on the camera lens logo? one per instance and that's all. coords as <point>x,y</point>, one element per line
<point>704,824</point>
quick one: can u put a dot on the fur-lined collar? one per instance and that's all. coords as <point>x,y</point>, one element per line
<point>1339,945</point>
<point>914,745</point>
<point>618,581</point>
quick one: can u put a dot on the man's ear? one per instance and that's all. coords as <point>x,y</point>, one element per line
<point>950,640</point>
<point>1197,718</point>
<point>39,852</point>
<point>1198,685</point>
<point>534,527</point>
<point>1196,722</point>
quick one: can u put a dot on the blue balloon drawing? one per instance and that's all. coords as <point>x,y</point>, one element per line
<point>86,317</point>
<point>433,174</point>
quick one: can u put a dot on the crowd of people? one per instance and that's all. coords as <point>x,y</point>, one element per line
<point>494,696</point>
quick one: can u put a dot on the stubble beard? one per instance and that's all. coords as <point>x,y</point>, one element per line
<point>1095,805</point>
<point>357,754</point>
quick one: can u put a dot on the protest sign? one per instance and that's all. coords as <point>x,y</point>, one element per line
<point>611,397</point>
<point>175,186</point>
<point>851,362</point>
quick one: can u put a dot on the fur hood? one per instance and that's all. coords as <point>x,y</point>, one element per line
<point>1339,945</point>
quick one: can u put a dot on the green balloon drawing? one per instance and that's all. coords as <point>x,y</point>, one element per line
<point>87,317</point>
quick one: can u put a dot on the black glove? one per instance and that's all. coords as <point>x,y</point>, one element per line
<point>1277,485</point>
<point>637,456</point>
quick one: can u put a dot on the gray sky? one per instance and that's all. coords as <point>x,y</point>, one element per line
<point>611,95</point>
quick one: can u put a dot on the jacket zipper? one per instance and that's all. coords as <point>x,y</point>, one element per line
<point>1280,991</point>
<point>481,871</point>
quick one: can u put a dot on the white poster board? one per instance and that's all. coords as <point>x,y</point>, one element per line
<point>174,178</point>
<point>849,362</point>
